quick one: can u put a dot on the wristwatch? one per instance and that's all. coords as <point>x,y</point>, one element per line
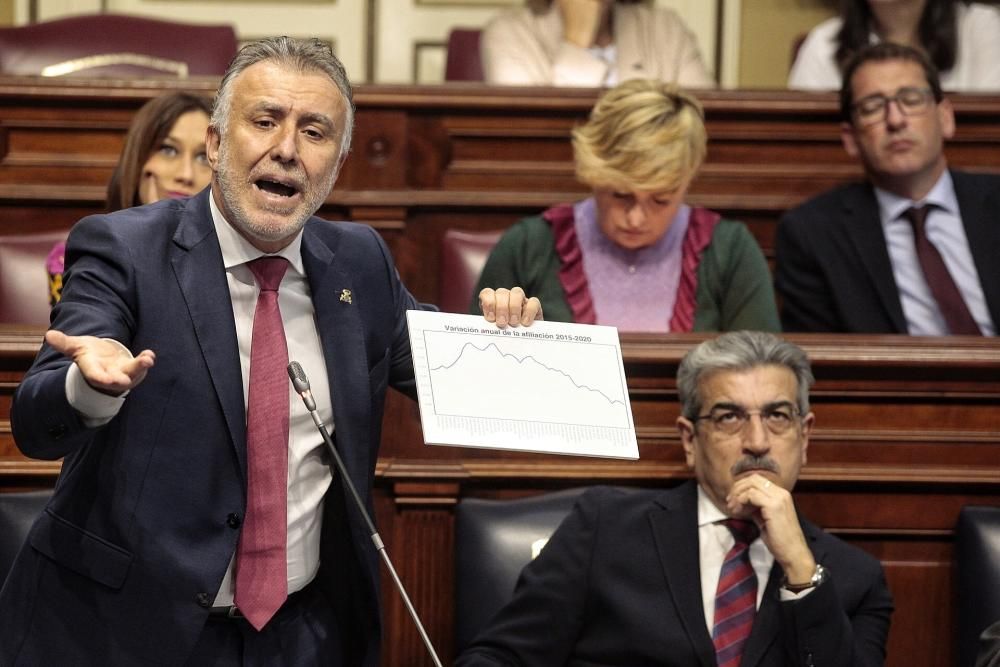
<point>819,576</point>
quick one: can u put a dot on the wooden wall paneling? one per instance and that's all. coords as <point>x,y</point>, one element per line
<point>423,536</point>
<point>18,346</point>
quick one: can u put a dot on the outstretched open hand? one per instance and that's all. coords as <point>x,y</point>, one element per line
<point>106,365</point>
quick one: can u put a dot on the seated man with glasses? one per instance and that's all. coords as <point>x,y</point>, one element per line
<point>912,250</point>
<point>712,572</point>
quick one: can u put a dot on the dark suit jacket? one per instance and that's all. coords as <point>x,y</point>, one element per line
<point>619,584</point>
<point>832,269</point>
<point>134,544</point>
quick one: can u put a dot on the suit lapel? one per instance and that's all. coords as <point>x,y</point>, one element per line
<point>864,229</point>
<point>675,531</point>
<point>341,331</point>
<point>979,207</point>
<point>201,277</point>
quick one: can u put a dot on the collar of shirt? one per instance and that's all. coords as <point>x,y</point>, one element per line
<point>237,250</point>
<point>609,55</point>
<point>891,206</point>
<point>708,513</point>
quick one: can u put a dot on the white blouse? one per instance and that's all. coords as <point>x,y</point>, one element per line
<point>977,64</point>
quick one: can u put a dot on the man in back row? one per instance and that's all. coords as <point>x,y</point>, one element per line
<point>914,249</point>
<point>718,572</point>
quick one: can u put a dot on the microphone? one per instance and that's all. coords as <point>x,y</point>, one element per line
<point>301,385</point>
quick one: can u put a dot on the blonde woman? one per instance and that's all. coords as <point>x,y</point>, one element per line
<point>634,255</point>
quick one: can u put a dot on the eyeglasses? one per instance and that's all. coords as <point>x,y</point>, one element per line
<point>910,101</point>
<point>731,420</point>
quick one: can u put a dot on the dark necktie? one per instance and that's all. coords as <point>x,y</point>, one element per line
<point>261,563</point>
<point>735,596</point>
<point>949,299</point>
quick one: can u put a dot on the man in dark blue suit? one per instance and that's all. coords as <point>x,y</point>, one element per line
<point>143,384</point>
<point>851,260</point>
<point>649,577</point>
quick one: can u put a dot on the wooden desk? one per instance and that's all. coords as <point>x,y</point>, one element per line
<point>906,435</point>
<point>426,159</point>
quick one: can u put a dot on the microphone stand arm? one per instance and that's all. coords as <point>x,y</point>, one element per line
<point>306,395</point>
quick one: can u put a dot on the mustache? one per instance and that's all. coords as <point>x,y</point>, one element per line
<point>751,463</point>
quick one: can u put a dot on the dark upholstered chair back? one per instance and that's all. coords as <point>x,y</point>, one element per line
<point>494,540</point>
<point>17,512</point>
<point>116,45</point>
<point>463,255</point>
<point>24,281</point>
<point>977,561</point>
<point>463,62</point>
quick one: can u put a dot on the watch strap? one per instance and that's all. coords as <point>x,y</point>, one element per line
<point>819,576</point>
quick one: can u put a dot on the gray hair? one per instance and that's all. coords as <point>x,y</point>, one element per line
<point>304,55</point>
<point>740,351</point>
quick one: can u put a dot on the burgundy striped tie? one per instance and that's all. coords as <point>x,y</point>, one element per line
<point>735,597</point>
<point>261,562</point>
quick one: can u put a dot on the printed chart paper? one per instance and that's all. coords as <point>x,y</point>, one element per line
<point>552,387</point>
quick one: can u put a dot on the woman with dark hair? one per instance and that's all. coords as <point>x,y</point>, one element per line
<point>163,158</point>
<point>961,39</point>
<point>590,43</point>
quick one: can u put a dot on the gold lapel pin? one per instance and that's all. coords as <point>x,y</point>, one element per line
<point>345,296</point>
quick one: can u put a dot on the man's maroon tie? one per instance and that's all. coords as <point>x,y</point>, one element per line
<point>261,563</point>
<point>949,299</point>
<point>735,597</point>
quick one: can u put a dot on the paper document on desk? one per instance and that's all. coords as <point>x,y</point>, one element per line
<point>552,387</point>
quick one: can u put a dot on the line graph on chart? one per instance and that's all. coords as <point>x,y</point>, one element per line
<point>552,387</point>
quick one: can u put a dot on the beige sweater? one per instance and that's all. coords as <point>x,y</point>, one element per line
<point>522,48</point>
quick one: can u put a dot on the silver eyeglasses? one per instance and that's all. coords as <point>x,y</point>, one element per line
<point>732,419</point>
<point>910,101</point>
